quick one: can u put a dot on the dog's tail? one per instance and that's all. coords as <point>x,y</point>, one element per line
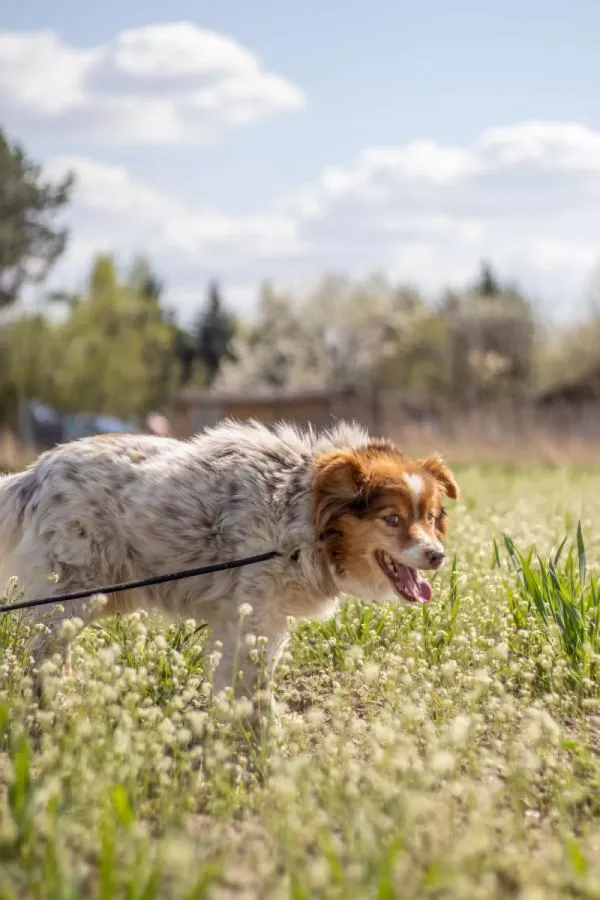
<point>15,496</point>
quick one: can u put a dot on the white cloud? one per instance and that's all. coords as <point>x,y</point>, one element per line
<point>164,84</point>
<point>527,197</point>
<point>113,212</point>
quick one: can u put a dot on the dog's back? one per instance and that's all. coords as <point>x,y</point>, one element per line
<point>110,508</point>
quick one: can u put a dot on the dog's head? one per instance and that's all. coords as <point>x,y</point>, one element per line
<point>381,519</point>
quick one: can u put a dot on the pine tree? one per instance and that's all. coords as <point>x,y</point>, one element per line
<point>214,335</point>
<point>30,241</point>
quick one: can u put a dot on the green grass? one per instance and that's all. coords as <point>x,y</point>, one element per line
<point>564,599</point>
<point>452,752</point>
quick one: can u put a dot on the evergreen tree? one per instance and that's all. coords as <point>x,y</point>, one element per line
<point>30,241</point>
<point>214,335</point>
<point>487,285</point>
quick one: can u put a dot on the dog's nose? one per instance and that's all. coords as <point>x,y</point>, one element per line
<point>435,557</point>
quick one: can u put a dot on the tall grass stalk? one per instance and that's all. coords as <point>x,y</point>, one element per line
<point>563,597</point>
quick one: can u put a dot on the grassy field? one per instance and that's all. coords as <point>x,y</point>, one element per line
<point>453,752</point>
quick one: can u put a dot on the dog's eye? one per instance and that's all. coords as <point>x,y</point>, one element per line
<point>431,518</point>
<point>393,520</point>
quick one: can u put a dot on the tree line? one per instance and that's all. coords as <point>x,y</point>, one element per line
<point>116,346</point>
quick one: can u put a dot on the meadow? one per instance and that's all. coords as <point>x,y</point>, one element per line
<point>446,753</point>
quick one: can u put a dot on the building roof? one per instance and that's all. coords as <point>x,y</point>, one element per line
<point>203,396</point>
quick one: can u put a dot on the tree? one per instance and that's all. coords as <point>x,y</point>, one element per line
<point>344,333</point>
<point>184,351</point>
<point>116,349</point>
<point>30,240</point>
<point>491,334</point>
<point>487,285</point>
<point>214,335</point>
<point>178,366</point>
<point>284,349</point>
<point>112,353</point>
<point>30,357</point>
<point>103,277</point>
<point>573,352</point>
<point>144,281</point>
<point>370,336</point>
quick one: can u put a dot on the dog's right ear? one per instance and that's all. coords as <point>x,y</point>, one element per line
<point>337,487</point>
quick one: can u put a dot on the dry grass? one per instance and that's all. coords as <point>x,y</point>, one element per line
<point>493,441</point>
<point>484,437</point>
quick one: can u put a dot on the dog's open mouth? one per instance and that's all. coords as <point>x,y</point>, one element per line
<point>408,583</point>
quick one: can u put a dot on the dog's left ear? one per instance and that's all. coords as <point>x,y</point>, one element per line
<point>437,468</point>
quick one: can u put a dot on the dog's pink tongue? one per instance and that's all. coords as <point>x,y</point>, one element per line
<point>415,584</point>
<point>423,588</point>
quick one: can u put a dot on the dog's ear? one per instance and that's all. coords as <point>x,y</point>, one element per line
<point>437,468</point>
<point>337,487</point>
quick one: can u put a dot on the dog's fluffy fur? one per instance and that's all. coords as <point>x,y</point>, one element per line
<point>363,517</point>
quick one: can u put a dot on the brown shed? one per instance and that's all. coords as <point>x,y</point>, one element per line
<point>193,409</point>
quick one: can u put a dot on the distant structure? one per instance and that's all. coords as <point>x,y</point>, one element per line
<point>193,409</point>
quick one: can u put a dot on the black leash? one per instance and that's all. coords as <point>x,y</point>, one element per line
<point>145,582</point>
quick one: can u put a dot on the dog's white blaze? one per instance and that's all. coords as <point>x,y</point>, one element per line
<point>415,483</point>
<point>426,540</point>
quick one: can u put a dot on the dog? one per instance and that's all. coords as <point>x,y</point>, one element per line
<point>349,514</point>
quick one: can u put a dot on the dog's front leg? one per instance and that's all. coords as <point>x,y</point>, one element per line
<point>246,665</point>
<point>238,667</point>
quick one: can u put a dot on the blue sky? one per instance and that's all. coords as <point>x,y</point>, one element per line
<point>409,139</point>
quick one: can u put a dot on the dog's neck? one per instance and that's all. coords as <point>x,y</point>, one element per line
<point>306,556</point>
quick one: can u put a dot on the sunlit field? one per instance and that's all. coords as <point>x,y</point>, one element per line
<point>452,752</point>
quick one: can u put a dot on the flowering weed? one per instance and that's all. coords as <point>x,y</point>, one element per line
<point>450,752</point>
